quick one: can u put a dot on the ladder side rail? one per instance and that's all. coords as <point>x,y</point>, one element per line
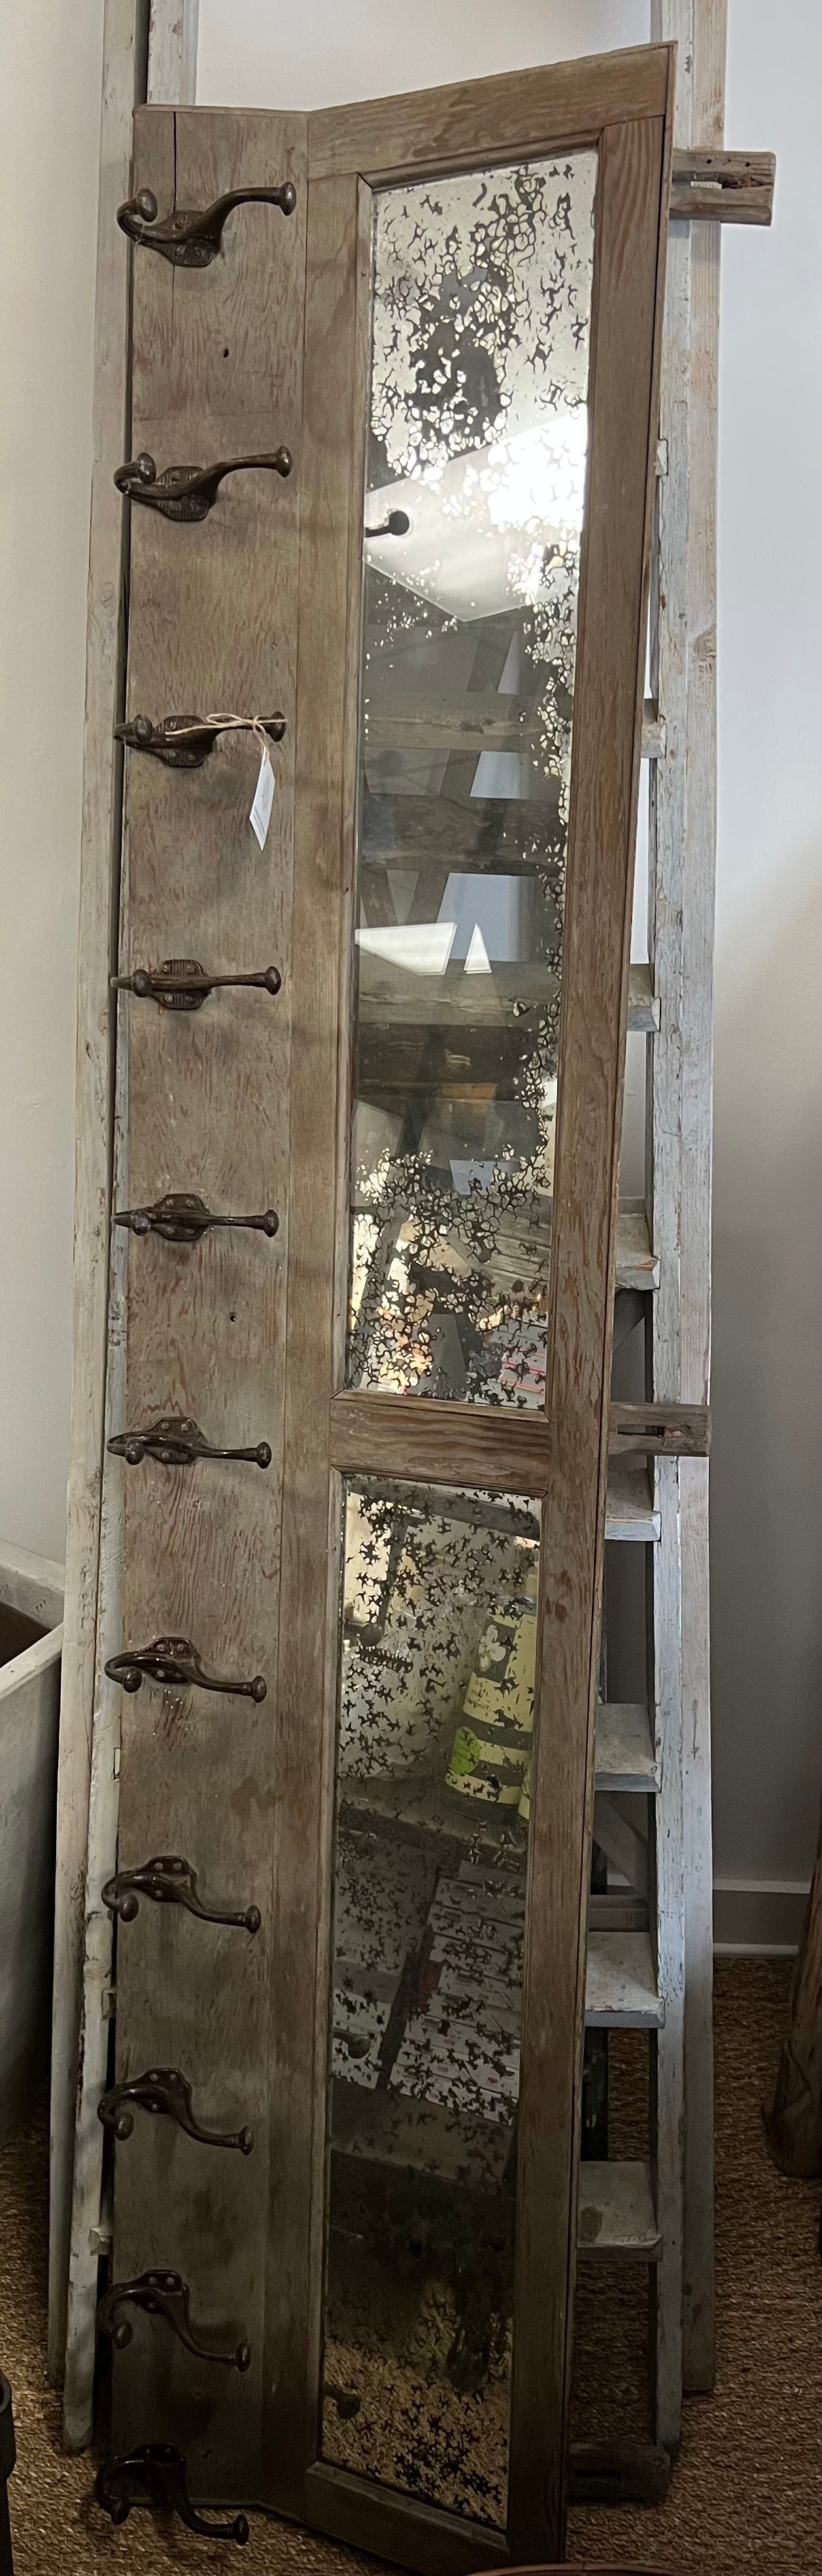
<point>667,794</point>
<point>699,2329</point>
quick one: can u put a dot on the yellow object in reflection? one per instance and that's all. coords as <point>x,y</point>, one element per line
<point>491,1752</point>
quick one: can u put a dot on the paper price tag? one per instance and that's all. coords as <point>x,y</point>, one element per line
<point>260,815</point>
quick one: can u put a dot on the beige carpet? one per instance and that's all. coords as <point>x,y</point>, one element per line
<point>744,2496</point>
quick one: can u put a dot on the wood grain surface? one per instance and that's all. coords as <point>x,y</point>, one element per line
<point>333,455</point>
<point>479,122</point>
<point>699,902</point>
<point>125,31</point>
<point>217,367</point>
<point>607,719</point>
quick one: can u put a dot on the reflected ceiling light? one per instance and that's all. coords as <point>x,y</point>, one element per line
<point>479,529</point>
<point>421,947</point>
<point>477,960</point>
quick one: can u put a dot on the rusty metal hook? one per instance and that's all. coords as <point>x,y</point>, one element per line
<point>188,492</point>
<point>184,742</point>
<point>166,2295</point>
<point>155,2475</point>
<point>168,1879</point>
<point>181,1217</point>
<point>181,983</point>
<point>175,1664</point>
<point>177,1442</point>
<point>191,236</point>
<point>164,2089</point>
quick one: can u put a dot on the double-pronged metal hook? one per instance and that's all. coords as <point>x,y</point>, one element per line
<point>184,742</point>
<point>181,983</point>
<point>188,492</point>
<point>175,1664</point>
<point>166,2295</point>
<point>155,2475</point>
<point>191,237</point>
<point>165,2091</point>
<point>175,1441</point>
<point>181,1217</point>
<point>169,1879</point>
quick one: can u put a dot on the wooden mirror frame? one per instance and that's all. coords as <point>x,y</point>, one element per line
<point>622,104</point>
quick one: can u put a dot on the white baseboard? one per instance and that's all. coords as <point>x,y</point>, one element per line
<point>758,1917</point>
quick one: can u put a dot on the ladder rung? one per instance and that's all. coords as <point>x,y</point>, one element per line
<point>625,1758</point>
<point>617,2221</point>
<point>660,1430</point>
<point>723,187</point>
<point>620,1983</point>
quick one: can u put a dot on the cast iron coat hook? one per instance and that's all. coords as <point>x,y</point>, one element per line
<point>181,984</point>
<point>177,1442</point>
<point>184,742</point>
<point>188,492</point>
<point>168,1879</point>
<point>163,2089</point>
<point>155,2475</point>
<point>191,237</point>
<point>181,1217</point>
<point>175,1664</point>
<point>167,2295</point>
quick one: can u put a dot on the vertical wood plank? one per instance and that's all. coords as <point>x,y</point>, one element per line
<point>607,722</point>
<point>172,60</point>
<point>101,1857</point>
<point>682,1104</point>
<point>213,617</point>
<point>332,475</point>
<point>666,842</point>
<point>699,2324</point>
<point>124,75</point>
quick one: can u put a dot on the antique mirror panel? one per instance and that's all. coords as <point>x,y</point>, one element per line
<point>471,752</point>
<point>434,1786</point>
<point>475,492</point>
<point>475,485</point>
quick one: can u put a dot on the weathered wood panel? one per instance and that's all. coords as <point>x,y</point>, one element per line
<point>172,58</point>
<point>337,307</point>
<point>214,621</point>
<point>699,2297</point>
<point>478,122</point>
<point>709,186</point>
<point>125,39</point>
<point>213,625</point>
<point>607,717</point>
<point>683,794</point>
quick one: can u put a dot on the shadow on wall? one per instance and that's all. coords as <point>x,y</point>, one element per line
<point>766,1627</point>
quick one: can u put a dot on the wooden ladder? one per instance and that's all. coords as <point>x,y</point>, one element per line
<point>709,187</point>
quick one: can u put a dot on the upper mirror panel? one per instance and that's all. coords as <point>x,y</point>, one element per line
<point>473,522</point>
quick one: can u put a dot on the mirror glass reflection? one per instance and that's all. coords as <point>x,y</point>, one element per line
<point>433,1804</point>
<point>473,519</point>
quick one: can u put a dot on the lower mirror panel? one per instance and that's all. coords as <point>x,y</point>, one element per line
<point>433,1795</point>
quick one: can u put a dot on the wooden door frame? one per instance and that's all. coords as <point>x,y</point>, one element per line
<point>622,105</point>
